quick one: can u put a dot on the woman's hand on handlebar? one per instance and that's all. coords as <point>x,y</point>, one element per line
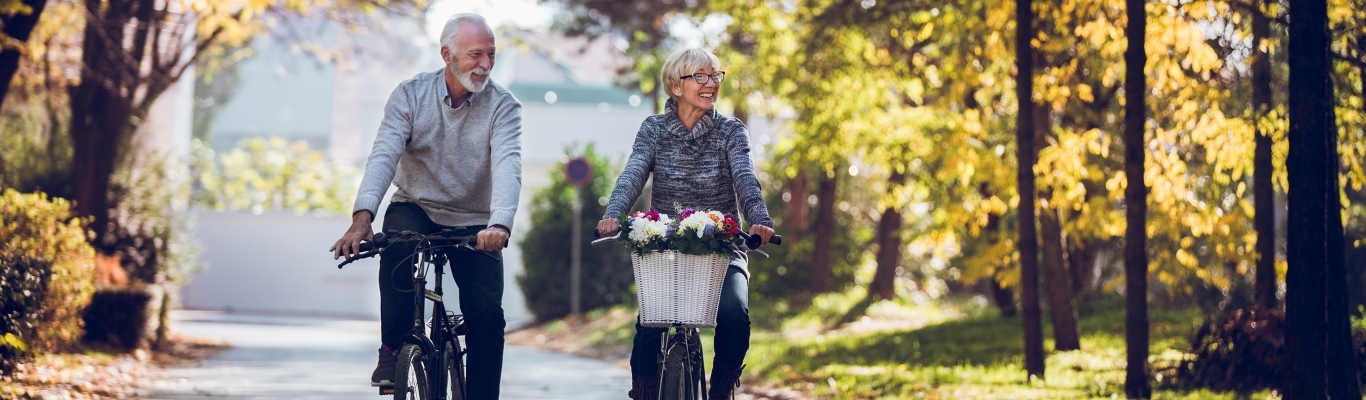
<point>765,233</point>
<point>349,244</point>
<point>608,227</point>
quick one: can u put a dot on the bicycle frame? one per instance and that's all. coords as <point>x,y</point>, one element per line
<point>444,325</point>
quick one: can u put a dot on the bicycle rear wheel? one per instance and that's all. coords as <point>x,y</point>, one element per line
<point>455,366</point>
<point>411,377</point>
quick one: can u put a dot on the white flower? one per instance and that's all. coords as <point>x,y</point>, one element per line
<point>643,230</point>
<point>697,221</point>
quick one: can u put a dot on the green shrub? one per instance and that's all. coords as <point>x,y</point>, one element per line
<point>1239,350</point>
<point>35,226</point>
<point>23,288</point>
<point>607,275</point>
<point>271,174</point>
<point>117,317</point>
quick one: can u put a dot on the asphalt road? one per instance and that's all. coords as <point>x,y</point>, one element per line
<point>301,358</point>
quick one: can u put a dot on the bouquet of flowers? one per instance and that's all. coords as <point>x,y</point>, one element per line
<point>697,232</point>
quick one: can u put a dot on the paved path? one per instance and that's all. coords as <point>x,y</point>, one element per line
<point>297,358</point>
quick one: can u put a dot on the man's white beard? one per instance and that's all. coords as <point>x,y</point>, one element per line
<point>467,80</point>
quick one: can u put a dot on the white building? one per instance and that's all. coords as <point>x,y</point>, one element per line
<point>278,263</point>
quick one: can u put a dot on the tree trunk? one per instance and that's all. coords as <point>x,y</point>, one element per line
<point>18,26</point>
<point>1081,262</point>
<point>1025,155</point>
<point>825,232</point>
<point>100,116</point>
<point>1004,297</point>
<point>1062,309</point>
<point>1136,384</point>
<point>1262,190</point>
<point>889,245</point>
<point>795,219</point>
<point>1316,317</point>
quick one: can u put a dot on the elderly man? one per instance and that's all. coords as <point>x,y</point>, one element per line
<point>450,141</point>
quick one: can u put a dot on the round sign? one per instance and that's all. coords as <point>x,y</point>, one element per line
<point>579,171</point>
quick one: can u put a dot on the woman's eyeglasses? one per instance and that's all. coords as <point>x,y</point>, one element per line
<point>701,78</point>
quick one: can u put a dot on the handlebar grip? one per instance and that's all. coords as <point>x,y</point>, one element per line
<point>753,241</point>
<point>367,246</point>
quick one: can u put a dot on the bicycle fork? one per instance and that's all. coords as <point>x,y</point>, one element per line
<point>691,345</point>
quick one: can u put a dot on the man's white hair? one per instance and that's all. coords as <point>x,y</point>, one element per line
<point>452,29</point>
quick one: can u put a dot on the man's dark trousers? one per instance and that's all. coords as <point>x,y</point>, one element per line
<point>480,280</point>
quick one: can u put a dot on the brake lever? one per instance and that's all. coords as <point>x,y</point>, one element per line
<point>360,256</point>
<point>467,246</point>
<point>607,239</point>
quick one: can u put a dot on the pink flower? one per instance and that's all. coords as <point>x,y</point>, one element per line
<point>686,213</point>
<point>652,215</point>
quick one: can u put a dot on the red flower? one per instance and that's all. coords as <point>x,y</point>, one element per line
<point>731,227</point>
<point>652,215</point>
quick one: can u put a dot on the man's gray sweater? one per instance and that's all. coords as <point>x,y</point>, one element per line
<point>464,167</point>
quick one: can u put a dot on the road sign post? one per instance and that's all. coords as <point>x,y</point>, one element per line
<point>578,171</point>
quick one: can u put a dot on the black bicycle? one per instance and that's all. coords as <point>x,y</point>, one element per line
<point>428,362</point>
<point>682,375</point>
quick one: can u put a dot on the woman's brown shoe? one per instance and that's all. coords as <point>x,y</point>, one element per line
<point>724,380</point>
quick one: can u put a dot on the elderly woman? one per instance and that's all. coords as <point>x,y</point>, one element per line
<point>700,159</point>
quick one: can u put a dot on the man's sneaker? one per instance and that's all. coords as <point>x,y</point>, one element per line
<point>384,370</point>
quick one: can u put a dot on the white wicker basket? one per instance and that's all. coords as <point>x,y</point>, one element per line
<point>673,287</point>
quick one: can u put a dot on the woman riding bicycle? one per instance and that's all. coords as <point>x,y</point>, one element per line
<point>700,159</point>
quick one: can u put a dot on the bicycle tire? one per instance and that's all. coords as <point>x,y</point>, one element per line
<point>410,380</point>
<point>455,366</point>
<point>674,379</point>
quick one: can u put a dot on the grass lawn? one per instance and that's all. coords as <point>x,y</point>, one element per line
<point>963,351</point>
<point>936,350</point>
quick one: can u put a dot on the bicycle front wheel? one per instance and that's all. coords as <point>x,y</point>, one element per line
<point>411,377</point>
<point>673,383</point>
<point>455,366</point>
<point>680,376</point>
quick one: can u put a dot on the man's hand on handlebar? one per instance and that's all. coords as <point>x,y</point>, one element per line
<point>492,239</point>
<point>349,244</point>
<point>608,227</point>
<point>765,233</point>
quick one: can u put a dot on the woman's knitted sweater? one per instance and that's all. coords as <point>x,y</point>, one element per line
<point>707,168</point>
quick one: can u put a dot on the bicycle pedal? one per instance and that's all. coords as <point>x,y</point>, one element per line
<point>386,390</point>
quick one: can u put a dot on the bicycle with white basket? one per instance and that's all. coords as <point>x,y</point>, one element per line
<point>681,292</point>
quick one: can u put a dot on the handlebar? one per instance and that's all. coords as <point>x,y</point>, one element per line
<point>752,242</point>
<point>461,239</point>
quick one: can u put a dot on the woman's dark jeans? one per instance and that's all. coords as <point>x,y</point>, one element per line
<point>732,330</point>
<point>480,280</point>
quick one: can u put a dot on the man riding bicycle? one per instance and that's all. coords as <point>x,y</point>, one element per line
<point>450,141</point>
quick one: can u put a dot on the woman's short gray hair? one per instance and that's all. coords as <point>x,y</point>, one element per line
<point>685,62</point>
<point>452,29</point>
